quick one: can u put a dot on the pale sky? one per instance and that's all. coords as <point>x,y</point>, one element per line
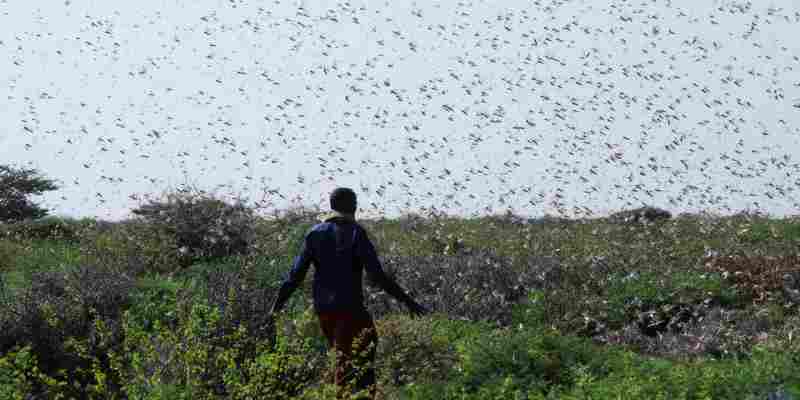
<point>468,107</point>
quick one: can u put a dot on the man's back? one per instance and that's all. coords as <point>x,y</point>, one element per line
<point>341,250</point>
<point>337,268</point>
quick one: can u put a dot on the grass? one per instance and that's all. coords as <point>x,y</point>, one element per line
<point>19,260</point>
<point>686,308</point>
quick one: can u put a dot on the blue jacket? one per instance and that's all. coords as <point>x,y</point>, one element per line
<point>340,250</point>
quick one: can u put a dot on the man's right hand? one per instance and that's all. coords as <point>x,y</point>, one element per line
<point>417,309</point>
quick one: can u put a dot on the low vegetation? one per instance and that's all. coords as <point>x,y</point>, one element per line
<point>172,305</point>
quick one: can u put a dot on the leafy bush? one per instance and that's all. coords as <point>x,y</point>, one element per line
<point>410,351</point>
<point>630,376</point>
<point>155,303</point>
<point>538,365</point>
<point>202,227</point>
<point>18,372</point>
<point>535,359</point>
<point>197,357</point>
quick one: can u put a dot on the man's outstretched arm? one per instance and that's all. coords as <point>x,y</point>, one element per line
<point>372,264</point>
<point>295,277</point>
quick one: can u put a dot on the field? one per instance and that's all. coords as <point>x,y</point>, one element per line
<point>689,307</point>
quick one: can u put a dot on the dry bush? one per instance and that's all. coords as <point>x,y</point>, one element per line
<point>714,332</point>
<point>646,214</point>
<point>507,219</point>
<point>241,301</point>
<point>760,278</point>
<point>64,304</point>
<point>203,227</point>
<point>479,285</point>
<point>412,222</point>
<point>132,247</point>
<point>296,215</point>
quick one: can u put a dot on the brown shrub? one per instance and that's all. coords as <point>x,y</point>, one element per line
<point>761,278</point>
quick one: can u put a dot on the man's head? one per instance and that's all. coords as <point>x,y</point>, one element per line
<point>343,200</point>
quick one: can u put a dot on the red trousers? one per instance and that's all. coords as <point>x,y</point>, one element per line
<point>354,337</point>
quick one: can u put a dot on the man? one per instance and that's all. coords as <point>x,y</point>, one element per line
<point>340,250</point>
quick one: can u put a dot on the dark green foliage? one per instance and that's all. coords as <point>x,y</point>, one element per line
<point>539,365</point>
<point>154,303</point>
<point>533,359</point>
<point>16,185</point>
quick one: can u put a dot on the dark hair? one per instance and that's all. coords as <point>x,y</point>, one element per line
<point>343,200</point>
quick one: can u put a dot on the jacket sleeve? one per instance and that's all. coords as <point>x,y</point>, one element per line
<point>296,275</point>
<point>369,258</point>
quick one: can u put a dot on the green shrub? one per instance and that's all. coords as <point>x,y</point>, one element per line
<point>550,366</point>
<point>635,377</point>
<point>155,303</point>
<point>18,372</point>
<point>410,351</point>
<point>790,230</point>
<point>191,358</point>
<point>531,359</point>
<point>531,314</point>
<point>628,294</point>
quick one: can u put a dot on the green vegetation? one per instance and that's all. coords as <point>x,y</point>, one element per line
<point>690,307</point>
